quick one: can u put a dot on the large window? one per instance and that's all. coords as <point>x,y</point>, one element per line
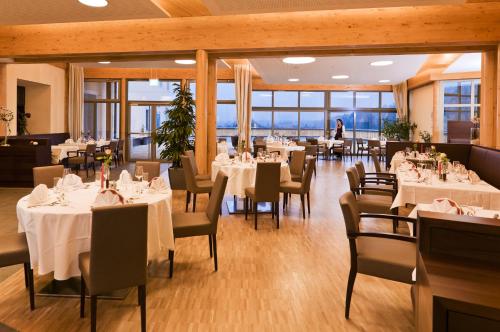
<point>227,117</point>
<point>101,109</point>
<point>460,101</point>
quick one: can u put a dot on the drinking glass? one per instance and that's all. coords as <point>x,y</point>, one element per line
<point>139,173</point>
<point>456,166</point>
<point>56,183</point>
<point>66,171</point>
<point>145,176</point>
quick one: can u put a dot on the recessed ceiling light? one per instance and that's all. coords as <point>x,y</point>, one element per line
<point>340,77</point>
<point>94,3</point>
<point>293,80</point>
<point>299,60</point>
<point>104,62</point>
<point>381,63</point>
<point>185,62</point>
<point>384,81</point>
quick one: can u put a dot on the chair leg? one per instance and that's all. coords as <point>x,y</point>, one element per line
<point>93,313</point>
<point>395,226</point>
<point>277,214</point>
<point>26,276</point>
<point>308,204</point>
<point>255,213</point>
<point>188,199</point>
<point>194,202</point>
<point>214,240</point>
<point>350,286</point>
<point>31,286</point>
<point>246,208</point>
<point>82,297</point>
<point>284,200</point>
<point>142,302</point>
<point>171,261</point>
<point>210,244</point>
<point>272,210</point>
<point>87,169</point>
<point>303,206</point>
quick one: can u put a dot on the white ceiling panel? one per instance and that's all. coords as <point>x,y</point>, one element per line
<point>466,63</point>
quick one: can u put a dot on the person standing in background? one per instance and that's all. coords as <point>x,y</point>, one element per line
<point>339,132</point>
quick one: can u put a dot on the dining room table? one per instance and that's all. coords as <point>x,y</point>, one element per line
<point>284,149</point>
<point>330,143</point>
<point>60,151</point>
<point>58,231</point>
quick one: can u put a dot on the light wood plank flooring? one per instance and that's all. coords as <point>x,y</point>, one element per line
<point>291,279</point>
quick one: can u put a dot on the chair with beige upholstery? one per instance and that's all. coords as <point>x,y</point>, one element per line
<point>312,152</point>
<point>361,146</point>
<point>345,149</point>
<point>297,165</point>
<point>300,188</point>
<point>13,251</point>
<point>192,185</point>
<point>120,151</point>
<point>197,175</point>
<point>201,223</point>
<point>83,157</point>
<point>117,257</point>
<point>383,255</point>
<point>46,174</point>
<point>376,161</point>
<point>376,180</point>
<point>150,167</point>
<point>374,146</point>
<point>266,189</point>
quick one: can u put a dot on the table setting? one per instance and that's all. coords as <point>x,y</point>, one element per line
<point>60,151</point>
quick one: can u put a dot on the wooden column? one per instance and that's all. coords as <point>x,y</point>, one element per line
<point>497,129</point>
<point>123,115</point>
<point>437,121</point>
<point>201,110</point>
<point>211,112</point>
<point>3,92</point>
<point>488,112</point>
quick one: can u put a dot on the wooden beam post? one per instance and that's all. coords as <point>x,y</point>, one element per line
<point>201,110</point>
<point>497,130</point>
<point>3,92</point>
<point>211,111</point>
<point>488,112</point>
<point>123,115</point>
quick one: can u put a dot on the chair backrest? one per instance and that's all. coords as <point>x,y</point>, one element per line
<point>118,247</point>
<point>302,143</point>
<point>350,212</point>
<point>311,150</point>
<point>215,201</point>
<point>360,141</point>
<point>192,159</point>
<point>348,142</point>
<point>113,146</point>
<point>373,143</point>
<point>234,141</point>
<point>120,145</point>
<point>313,141</point>
<point>353,177</point>
<point>46,174</point>
<point>150,167</point>
<point>90,149</point>
<point>267,182</point>
<point>189,174</point>
<point>271,150</point>
<point>306,180</point>
<point>257,147</point>
<point>297,162</point>
<point>259,141</point>
<point>360,167</point>
<point>376,162</point>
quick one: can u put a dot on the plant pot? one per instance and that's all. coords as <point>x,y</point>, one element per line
<point>176,178</point>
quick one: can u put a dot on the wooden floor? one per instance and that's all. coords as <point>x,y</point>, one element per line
<point>291,279</point>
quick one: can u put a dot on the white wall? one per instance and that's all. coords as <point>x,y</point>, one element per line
<point>422,111</point>
<point>43,74</point>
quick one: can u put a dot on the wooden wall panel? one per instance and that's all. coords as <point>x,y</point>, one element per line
<point>201,110</point>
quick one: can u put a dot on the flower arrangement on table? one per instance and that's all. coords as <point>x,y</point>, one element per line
<point>6,116</point>
<point>106,160</point>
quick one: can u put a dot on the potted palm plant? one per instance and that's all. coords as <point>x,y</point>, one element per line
<point>173,134</point>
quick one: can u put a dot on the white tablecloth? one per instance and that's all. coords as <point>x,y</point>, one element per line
<point>481,194</point>
<point>242,175</point>
<point>222,148</point>
<point>59,152</point>
<point>57,234</point>
<point>284,149</point>
<point>398,159</point>
<point>331,142</point>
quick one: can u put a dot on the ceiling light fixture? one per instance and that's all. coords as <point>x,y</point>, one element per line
<point>104,62</point>
<point>94,3</point>
<point>384,81</point>
<point>340,77</point>
<point>293,80</point>
<point>185,62</point>
<point>299,60</point>
<point>381,63</point>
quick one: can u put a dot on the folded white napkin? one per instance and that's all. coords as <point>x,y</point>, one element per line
<point>406,165</point>
<point>69,141</point>
<point>70,181</point>
<point>413,174</point>
<point>91,141</point>
<point>125,177</point>
<point>246,156</point>
<point>108,197</point>
<point>222,157</point>
<point>39,195</point>
<point>473,177</point>
<point>446,205</point>
<point>158,184</point>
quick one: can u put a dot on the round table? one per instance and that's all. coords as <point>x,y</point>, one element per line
<point>242,175</point>
<point>58,234</point>
<point>284,149</point>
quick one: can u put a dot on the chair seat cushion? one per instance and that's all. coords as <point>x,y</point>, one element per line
<point>191,224</point>
<point>386,258</point>
<point>296,177</point>
<point>201,177</point>
<point>14,249</point>
<point>374,203</point>
<point>84,265</point>
<point>291,187</point>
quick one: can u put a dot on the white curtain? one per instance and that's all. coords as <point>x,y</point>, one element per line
<point>243,80</point>
<point>75,101</point>
<point>400,92</point>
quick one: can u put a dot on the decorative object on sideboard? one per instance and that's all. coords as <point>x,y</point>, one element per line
<point>6,116</point>
<point>425,136</point>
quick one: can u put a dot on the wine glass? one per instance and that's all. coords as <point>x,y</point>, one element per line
<point>145,176</point>
<point>56,183</point>
<point>66,171</point>
<point>139,173</point>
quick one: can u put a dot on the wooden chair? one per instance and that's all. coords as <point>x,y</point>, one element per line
<point>118,256</point>
<point>197,175</point>
<point>150,167</point>
<point>120,151</point>
<point>383,255</point>
<point>347,148</point>
<point>300,188</point>
<point>14,250</point>
<point>361,147</point>
<point>266,189</point>
<point>297,164</point>
<point>194,186</point>
<point>46,174</point>
<point>376,180</point>
<point>202,223</point>
<point>374,146</point>
<point>312,153</point>
<point>83,157</point>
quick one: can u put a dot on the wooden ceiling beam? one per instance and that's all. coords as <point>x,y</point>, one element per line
<point>412,29</point>
<point>182,8</point>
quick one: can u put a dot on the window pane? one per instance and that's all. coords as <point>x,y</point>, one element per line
<point>347,118</point>
<point>312,124</point>
<point>286,123</point>
<point>226,116</point>
<point>388,100</point>
<point>143,91</point>
<point>262,98</point>
<point>312,99</point>
<point>449,116</point>
<point>115,121</point>
<point>286,99</point>
<point>225,91</point>
<point>261,123</point>
<point>390,117</point>
<point>457,92</point>
<point>367,125</point>
<point>477,92</point>
<point>192,88</point>
<point>342,99</point>
<point>367,99</point>
<point>101,90</point>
